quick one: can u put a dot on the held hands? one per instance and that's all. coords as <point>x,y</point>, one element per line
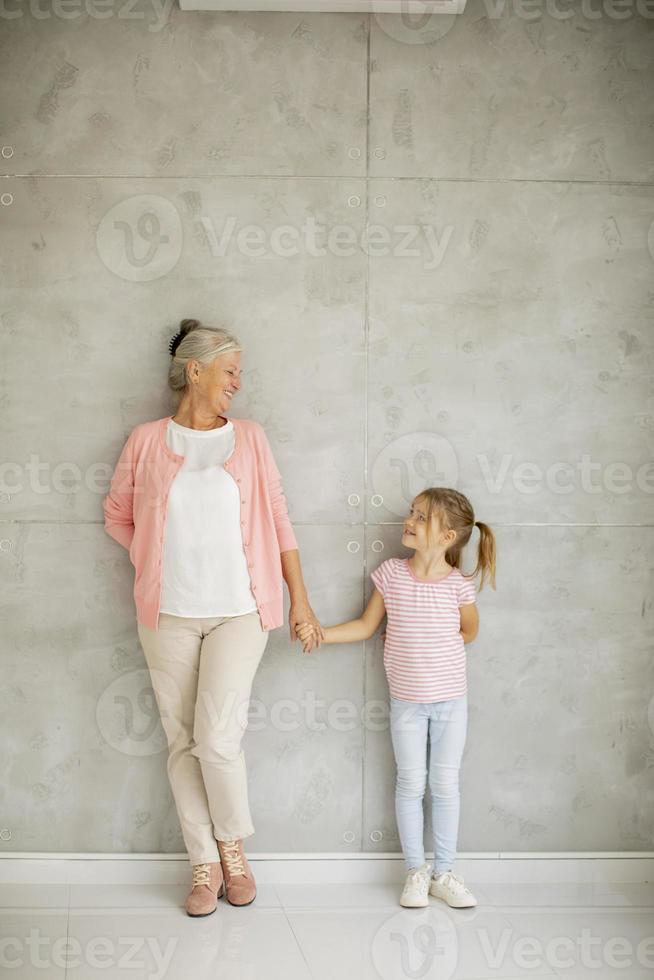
<point>302,618</point>
<point>309,636</point>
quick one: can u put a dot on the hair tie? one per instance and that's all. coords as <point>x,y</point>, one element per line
<point>175,342</point>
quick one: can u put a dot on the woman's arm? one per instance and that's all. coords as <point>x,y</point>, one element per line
<point>118,505</point>
<point>292,572</point>
<point>283,528</point>
<point>300,611</point>
<point>288,550</point>
<point>354,630</point>
<point>469,621</point>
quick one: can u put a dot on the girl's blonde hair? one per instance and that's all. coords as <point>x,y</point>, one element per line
<point>454,512</point>
<point>198,342</point>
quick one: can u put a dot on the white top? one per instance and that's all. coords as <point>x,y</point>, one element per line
<point>204,566</point>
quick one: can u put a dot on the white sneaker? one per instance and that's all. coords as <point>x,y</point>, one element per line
<point>415,894</point>
<point>451,889</point>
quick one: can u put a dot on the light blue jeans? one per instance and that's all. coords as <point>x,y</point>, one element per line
<point>442,725</point>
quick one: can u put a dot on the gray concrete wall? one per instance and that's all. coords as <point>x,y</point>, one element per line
<point>495,334</point>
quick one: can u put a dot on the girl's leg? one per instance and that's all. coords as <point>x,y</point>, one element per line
<point>409,728</point>
<point>231,653</point>
<point>172,654</point>
<point>447,735</point>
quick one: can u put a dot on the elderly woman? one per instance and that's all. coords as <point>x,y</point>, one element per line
<point>197,499</point>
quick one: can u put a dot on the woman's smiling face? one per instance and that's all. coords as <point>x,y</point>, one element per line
<point>219,382</point>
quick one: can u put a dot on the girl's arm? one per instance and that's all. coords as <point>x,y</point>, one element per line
<point>469,621</point>
<point>353,630</point>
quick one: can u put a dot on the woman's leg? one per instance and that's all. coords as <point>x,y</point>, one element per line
<point>447,735</point>
<point>173,657</point>
<point>231,653</point>
<point>409,726</point>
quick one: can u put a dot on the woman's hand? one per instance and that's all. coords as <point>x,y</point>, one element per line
<point>302,613</point>
<point>306,634</point>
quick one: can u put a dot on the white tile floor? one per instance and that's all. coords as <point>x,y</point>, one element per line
<point>327,932</point>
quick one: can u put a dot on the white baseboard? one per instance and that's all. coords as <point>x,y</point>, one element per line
<point>535,867</point>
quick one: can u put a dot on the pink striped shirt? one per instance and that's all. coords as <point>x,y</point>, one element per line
<point>424,653</point>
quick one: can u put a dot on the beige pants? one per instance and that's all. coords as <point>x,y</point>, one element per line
<point>202,672</point>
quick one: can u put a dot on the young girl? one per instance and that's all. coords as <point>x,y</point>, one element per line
<point>431,614</point>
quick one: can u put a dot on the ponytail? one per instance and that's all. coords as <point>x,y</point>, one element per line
<point>456,514</point>
<point>486,555</point>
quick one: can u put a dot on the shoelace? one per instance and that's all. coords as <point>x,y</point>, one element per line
<point>450,876</point>
<point>417,877</point>
<point>233,859</point>
<point>201,874</point>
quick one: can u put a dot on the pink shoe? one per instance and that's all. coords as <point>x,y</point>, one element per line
<point>208,886</point>
<point>240,888</point>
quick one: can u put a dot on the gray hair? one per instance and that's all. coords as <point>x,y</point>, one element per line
<point>199,342</point>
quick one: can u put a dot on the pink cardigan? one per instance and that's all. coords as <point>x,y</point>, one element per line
<point>135,513</point>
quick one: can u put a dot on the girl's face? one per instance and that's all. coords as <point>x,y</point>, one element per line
<point>415,529</point>
<point>415,526</point>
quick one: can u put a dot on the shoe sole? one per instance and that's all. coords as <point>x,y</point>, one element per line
<point>414,905</point>
<point>201,915</point>
<point>241,905</point>
<point>472,905</point>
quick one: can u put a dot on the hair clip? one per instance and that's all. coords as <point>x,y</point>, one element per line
<point>175,342</point>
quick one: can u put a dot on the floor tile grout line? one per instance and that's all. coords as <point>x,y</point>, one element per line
<point>297,941</point>
<point>570,909</point>
<point>342,906</point>
<point>366,366</point>
<point>67,932</point>
<point>292,906</point>
<point>35,909</point>
<point>353,524</point>
<point>544,971</point>
<point>597,182</point>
